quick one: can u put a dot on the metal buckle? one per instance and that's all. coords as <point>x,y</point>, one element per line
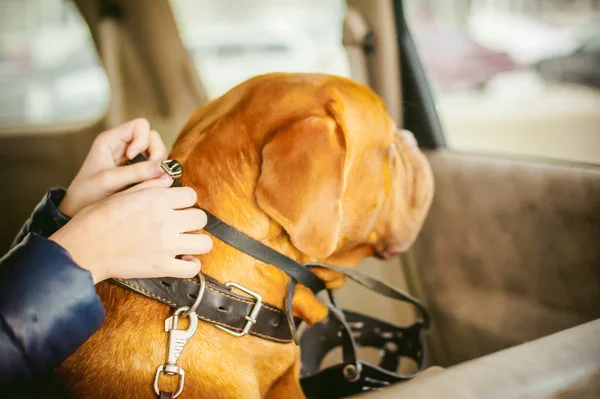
<point>172,167</point>
<point>251,318</point>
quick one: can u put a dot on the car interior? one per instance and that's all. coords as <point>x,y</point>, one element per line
<point>508,261</point>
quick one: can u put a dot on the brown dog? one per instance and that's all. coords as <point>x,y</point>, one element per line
<point>312,166</point>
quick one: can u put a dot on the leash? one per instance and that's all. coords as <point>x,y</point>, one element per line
<point>239,315</point>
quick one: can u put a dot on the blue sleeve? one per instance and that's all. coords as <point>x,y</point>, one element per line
<point>46,218</point>
<point>48,307</point>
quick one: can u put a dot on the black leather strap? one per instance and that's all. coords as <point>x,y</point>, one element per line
<point>259,251</point>
<point>377,286</point>
<point>289,298</point>
<point>219,305</point>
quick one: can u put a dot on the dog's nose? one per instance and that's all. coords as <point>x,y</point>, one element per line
<point>388,251</point>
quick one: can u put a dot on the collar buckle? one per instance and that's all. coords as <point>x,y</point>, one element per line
<point>172,167</point>
<point>250,318</point>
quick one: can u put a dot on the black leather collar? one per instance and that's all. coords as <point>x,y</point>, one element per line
<point>220,305</point>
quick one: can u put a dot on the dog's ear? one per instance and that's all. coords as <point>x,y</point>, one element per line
<point>302,180</point>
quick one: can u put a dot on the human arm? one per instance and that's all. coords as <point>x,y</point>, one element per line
<point>103,173</point>
<point>48,304</point>
<point>48,307</point>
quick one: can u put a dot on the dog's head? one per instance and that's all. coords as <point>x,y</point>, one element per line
<point>342,179</point>
<point>312,165</point>
<point>317,154</point>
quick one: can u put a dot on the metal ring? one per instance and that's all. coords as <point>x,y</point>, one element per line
<point>177,370</point>
<point>193,308</point>
<point>352,372</point>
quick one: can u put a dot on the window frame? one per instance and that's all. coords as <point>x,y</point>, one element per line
<point>419,112</point>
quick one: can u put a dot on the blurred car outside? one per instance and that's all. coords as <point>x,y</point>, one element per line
<point>580,67</point>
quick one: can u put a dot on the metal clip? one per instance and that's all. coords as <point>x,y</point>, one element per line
<point>178,338</point>
<point>172,167</point>
<point>177,341</point>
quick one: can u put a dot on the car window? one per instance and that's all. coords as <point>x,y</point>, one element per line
<point>509,78</point>
<point>233,40</point>
<point>49,71</point>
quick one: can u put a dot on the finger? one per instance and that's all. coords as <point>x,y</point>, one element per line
<point>181,268</point>
<point>140,138</point>
<point>193,243</point>
<point>120,177</point>
<point>164,181</point>
<point>189,220</point>
<point>156,148</point>
<point>181,197</point>
<point>118,138</point>
<point>192,258</point>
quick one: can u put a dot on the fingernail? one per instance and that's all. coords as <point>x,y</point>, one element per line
<point>165,176</point>
<point>134,149</point>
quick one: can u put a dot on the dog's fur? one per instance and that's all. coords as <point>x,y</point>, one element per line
<point>312,166</point>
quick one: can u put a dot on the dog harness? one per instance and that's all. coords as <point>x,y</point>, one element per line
<point>206,299</point>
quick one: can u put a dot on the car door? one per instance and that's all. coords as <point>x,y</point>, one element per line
<point>511,249</point>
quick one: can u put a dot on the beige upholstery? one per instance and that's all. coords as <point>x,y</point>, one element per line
<point>33,159</point>
<point>510,252</point>
<point>150,71</point>
<point>565,365</point>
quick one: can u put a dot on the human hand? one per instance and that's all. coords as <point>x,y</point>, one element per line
<point>102,173</point>
<point>138,233</point>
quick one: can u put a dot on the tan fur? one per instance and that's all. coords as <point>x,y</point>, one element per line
<point>308,164</point>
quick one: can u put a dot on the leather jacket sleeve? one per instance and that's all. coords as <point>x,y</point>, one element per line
<point>46,218</point>
<point>48,307</point>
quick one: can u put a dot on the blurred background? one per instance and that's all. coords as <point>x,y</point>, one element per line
<point>504,72</point>
<point>512,76</point>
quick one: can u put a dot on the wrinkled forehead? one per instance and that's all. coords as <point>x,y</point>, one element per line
<point>365,120</point>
